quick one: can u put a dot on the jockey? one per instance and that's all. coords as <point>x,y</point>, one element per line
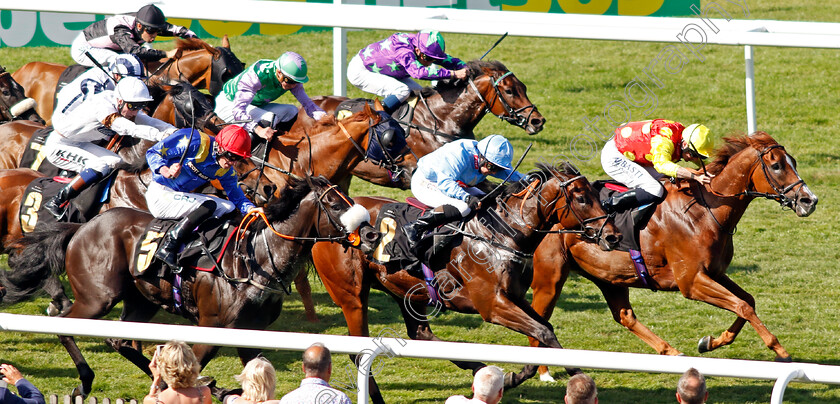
<point>445,180</point>
<point>94,81</point>
<point>642,152</point>
<point>70,146</point>
<point>385,68</point>
<point>207,158</point>
<point>248,96</point>
<point>126,34</point>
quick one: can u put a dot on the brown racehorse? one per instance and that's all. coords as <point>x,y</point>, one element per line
<point>14,104</point>
<point>98,258</point>
<point>451,111</point>
<point>698,224</point>
<point>552,195</point>
<point>204,66</point>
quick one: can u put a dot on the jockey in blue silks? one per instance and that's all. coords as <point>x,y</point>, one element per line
<point>445,180</point>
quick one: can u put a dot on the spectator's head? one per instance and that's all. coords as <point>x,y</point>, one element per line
<point>258,380</point>
<point>177,364</point>
<point>488,384</point>
<point>581,390</point>
<point>692,388</point>
<point>317,361</point>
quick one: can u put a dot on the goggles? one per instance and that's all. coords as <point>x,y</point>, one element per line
<point>152,30</point>
<point>230,156</point>
<point>135,106</point>
<point>282,78</point>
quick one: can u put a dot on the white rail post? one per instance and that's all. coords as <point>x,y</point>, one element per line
<point>339,59</point>
<point>781,385</point>
<point>750,88</point>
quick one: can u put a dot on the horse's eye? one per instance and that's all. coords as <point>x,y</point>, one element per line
<point>581,199</point>
<point>776,166</point>
<point>509,92</point>
<point>6,93</point>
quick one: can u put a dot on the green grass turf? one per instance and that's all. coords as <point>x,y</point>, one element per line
<point>789,264</point>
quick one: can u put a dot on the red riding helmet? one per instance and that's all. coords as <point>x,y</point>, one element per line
<point>235,139</point>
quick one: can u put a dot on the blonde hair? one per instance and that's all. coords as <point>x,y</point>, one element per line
<point>258,380</point>
<point>177,364</point>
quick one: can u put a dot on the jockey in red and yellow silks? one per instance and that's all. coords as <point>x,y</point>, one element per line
<point>641,152</point>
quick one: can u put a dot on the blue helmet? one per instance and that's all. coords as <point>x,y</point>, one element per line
<point>497,150</point>
<point>127,65</point>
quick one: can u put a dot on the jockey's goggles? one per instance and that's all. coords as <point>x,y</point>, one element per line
<point>152,30</point>
<point>135,106</point>
<point>230,156</point>
<point>282,78</point>
<point>425,57</point>
<point>492,167</point>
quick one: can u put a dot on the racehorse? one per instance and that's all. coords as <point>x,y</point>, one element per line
<point>244,291</point>
<point>451,111</point>
<point>686,245</point>
<point>488,273</point>
<point>330,148</point>
<point>14,104</point>
<point>204,66</point>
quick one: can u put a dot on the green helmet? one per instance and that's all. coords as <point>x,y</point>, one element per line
<point>293,66</point>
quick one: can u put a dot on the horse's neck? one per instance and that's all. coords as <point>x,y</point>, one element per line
<point>337,153</point>
<point>280,257</point>
<point>456,111</point>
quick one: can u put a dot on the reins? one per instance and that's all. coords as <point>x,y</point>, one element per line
<point>512,116</point>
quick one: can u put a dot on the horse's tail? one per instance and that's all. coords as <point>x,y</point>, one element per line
<point>35,258</point>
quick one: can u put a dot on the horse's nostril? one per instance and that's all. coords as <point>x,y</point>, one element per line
<point>806,201</point>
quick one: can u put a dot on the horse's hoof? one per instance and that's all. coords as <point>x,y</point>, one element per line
<point>704,344</point>
<point>509,380</point>
<point>573,371</point>
<point>205,381</point>
<point>53,310</point>
<point>546,377</point>
<point>784,359</point>
<point>79,391</point>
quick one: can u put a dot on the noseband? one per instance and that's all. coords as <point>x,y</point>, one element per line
<point>513,116</point>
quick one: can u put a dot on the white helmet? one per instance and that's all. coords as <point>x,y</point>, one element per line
<point>131,89</point>
<point>126,65</point>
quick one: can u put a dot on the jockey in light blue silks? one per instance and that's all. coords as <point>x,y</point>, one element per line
<point>445,180</point>
<point>386,68</point>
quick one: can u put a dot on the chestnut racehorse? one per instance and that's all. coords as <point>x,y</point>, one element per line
<point>687,244</point>
<point>551,195</point>
<point>451,111</point>
<point>245,291</point>
<point>14,104</point>
<point>204,66</point>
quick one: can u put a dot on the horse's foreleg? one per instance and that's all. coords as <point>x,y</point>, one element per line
<point>618,300</point>
<point>204,353</point>
<point>724,293</point>
<point>305,291</point>
<point>139,310</point>
<point>549,278</point>
<point>60,302</point>
<point>86,374</point>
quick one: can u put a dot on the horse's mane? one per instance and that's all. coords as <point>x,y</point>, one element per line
<point>331,124</point>
<point>544,171</point>
<point>188,44</point>
<point>476,68</point>
<point>281,209</point>
<point>734,144</point>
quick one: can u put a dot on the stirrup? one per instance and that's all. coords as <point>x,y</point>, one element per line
<point>56,210</point>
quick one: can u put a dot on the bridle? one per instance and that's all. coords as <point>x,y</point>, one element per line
<point>5,109</point>
<point>588,232</point>
<point>515,117</point>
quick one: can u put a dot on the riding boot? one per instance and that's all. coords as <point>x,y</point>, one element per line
<point>391,104</point>
<point>428,221</point>
<point>168,249</point>
<point>57,205</point>
<point>621,202</point>
<point>284,126</point>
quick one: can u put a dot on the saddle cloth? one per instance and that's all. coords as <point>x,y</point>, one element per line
<point>629,222</point>
<point>211,233</point>
<point>81,209</point>
<point>35,158</point>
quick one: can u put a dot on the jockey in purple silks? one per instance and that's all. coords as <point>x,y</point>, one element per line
<point>386,68</point>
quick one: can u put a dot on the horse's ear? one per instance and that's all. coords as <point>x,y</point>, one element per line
<point>225,42</point>
<point>377,105</point>
<point>368,109</point>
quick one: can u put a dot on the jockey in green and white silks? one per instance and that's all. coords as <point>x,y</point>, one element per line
<point>386,68</point>
<point>248,96</point>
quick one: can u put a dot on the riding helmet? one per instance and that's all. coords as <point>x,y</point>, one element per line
<point>292,65</point>
<point>235,139</point>
<point>431,44</point>
<point>127,65</point>
<point>698,136</point>
<point>497,150</point>
<point>151,16</point>
<point>132,89</point>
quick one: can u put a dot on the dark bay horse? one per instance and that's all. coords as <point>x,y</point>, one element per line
<point>200,64</point>
<point>98,258</point>
<point>451,111</point>
<point>487,274</point>
<point>14,104</point>
<point>687,244</point>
